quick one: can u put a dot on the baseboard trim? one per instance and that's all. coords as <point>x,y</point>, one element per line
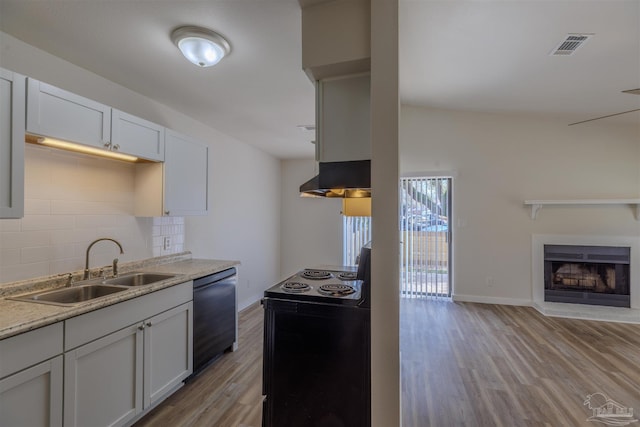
<point>249,301</point>
<point>491,300</point>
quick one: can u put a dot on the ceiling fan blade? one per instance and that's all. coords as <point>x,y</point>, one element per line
<point>604,117</point>
<point>632,91</point>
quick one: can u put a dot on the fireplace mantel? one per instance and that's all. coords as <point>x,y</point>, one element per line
<point>536,205</point>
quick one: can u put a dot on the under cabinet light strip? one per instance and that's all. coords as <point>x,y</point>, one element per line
<point>69,146</point>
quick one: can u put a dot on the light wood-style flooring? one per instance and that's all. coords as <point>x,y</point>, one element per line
<point>463,364</point>
<point>469,364</point>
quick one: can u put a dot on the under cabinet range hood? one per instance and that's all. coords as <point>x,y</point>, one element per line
<point>350,179</point>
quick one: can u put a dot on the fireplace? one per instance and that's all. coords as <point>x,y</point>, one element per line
<point>596,275</point>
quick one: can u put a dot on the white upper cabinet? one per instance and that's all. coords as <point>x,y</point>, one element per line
<point>12,125</point>
<point>343,119</point>
<point>131,134</point>
<point>185,175</point>
<point>60,114</point>
<point>177,187</point>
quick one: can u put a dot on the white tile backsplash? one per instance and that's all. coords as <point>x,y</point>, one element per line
<point>71,200</point>
<point>9,225</point>
<point>37,207</point>
<point>9,257</point>
<point>35,254</point>
<point>17,272</point>
<point>23,239</point>
<point>47,222</point>
<point>168,227</point>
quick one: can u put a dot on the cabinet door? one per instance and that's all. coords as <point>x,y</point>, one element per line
<point>12,125</point>
<point>33,397</point>
<point>168,344</point>
<point>343,116</point>
<point>59,114</point>
<point>103,380</point>
<point>186,171</point>
<point>136,136</point>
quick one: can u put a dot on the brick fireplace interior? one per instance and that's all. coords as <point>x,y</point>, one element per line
<point>595,275</point>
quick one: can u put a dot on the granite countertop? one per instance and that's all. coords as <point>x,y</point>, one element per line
<point>21,316</point>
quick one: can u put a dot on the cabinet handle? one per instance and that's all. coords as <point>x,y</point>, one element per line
<point>106,144</point>
<point>141,327</point>
<point>116,147</point>
<point>166,212</point>
<point>149,324</point>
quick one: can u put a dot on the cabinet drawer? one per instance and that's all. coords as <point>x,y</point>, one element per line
<point>90,326</point>
<point>24,350</point>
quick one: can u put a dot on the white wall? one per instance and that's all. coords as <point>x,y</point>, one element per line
<point>311,227</point>
<point>501,160</point>
<point>242,223</point>
<point>244,217</point>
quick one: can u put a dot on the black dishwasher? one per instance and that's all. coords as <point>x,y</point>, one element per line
<point>214,316</point>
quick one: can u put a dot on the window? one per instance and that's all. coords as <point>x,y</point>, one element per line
<point>356,231</point>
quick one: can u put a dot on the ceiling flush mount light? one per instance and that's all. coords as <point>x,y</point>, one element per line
<point>200,46</point>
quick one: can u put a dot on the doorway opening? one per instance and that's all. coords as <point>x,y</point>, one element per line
<point>425,237</point>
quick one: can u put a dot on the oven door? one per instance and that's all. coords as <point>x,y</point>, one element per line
<point>316,364</point>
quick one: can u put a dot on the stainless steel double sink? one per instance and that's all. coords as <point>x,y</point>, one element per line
<point>92,289</point>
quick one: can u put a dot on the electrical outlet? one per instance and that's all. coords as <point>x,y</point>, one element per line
<point>166,243</point>
<point>489,281</point>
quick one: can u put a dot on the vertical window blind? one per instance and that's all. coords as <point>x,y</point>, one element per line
<point>425,206</point>
<point>356,231</point>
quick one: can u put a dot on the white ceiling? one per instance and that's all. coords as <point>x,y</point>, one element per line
<point>494,56</point>
<point>463,55</point>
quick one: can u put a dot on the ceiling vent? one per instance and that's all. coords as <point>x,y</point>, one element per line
<point>570,44</point>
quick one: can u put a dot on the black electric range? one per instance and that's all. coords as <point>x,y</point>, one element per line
<point>323,286</point>
<point>317,349</point>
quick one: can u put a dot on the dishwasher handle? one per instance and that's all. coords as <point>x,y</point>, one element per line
<point>213,278</point>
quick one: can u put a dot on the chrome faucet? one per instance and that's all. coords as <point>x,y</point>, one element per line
<point>86,264</point>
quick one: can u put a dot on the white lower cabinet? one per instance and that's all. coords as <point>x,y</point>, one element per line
<point>115,379</point>
<point>103,380</point>
<point>107,367</point>
<point>33,397</point>
<point>168,352</point>
<point>31,378</point>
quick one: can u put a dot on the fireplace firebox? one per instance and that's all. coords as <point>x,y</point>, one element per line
<point>596,275</point>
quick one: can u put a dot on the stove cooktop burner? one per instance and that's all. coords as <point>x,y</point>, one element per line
<point>348,275</point>
<point>336,290</point>
<point>295,287</point>
<point>316,274</point>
